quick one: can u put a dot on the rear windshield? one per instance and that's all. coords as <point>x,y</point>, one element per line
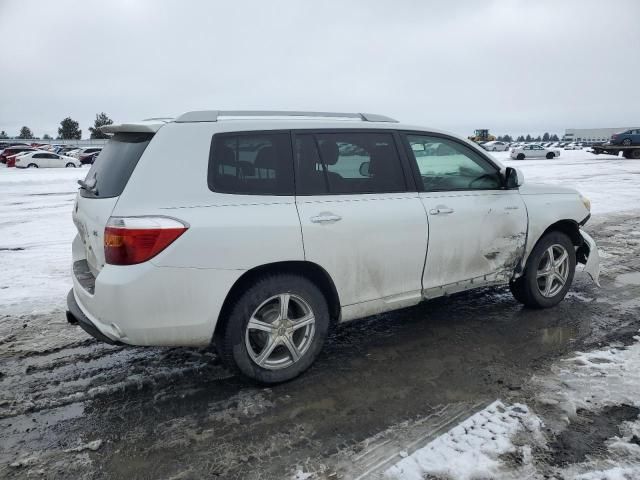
<point>115,164</point>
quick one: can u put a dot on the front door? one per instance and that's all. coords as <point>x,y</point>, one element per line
<point>360,221</point>
<point>477,229</point>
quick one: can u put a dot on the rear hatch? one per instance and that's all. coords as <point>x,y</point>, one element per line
<point>100,190</point>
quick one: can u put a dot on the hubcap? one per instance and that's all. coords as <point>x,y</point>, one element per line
<point>553,270</point>
<point>280,331</point>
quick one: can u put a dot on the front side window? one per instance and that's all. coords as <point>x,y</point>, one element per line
<point>252,164</point>
<point>446,165</point>
<point>347,163</point>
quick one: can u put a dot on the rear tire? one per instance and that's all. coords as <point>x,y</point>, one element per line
<point>32,165</point>
<point>635,154</point>
<point>550,155</point>
<point>544,284</point>
<point>520,156</point>
<point>70,165</point>
<point>244,348</point>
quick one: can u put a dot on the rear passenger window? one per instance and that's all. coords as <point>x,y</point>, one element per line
<point>347,163</point>
<point>252,164</point>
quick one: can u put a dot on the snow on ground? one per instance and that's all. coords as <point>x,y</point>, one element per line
<point>486,444</point>
<point>473,448</point>
<point>611,183</point>
<point>36,232</point>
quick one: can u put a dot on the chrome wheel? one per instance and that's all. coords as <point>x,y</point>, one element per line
<point>280,331</point>
<point>553,270</point>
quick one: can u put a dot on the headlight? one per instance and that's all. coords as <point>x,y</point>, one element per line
<point>586,202</point>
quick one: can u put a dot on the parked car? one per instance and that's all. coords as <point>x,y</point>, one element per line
<point>66,150</point>
<point>281,228</point>
<point>13,150</point>
<point>495,146</point>
<point>44,159</point>
<point>573,146</point>
<point>626,138</point>
<point>88,158</point>
<point>534,151</point>
<point>83,151</point>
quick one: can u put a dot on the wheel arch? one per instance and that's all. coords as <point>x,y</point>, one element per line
<point>312,271</point>
<point>568,227</point>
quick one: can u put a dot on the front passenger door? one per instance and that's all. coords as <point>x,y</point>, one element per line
<point>477,229</point>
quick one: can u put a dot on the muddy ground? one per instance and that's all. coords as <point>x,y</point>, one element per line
<point>73,408</point>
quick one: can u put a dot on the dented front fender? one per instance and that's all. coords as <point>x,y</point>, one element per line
<point>588,254</point>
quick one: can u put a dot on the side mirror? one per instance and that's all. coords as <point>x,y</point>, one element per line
<point>514,177</point>
<point>364,169</point>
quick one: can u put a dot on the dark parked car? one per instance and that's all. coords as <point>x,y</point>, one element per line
<point>88,158</point>
<point>9,151</point>
<point>629,137</point>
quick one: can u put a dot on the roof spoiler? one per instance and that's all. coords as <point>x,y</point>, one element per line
<point>148,125</point>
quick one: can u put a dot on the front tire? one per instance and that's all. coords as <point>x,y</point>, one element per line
<point>626,142</point>
<point>275,329</point>
<point>550,155</point>
<point>548,274</point>
<point>32,165</point>
<point>520,156</point>
<point>70,165</point>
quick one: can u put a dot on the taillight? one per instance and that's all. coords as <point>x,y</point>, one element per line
<point>132,240</point>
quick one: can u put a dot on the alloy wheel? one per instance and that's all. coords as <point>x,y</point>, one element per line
<point>280,331</point>
<point>553,271</point>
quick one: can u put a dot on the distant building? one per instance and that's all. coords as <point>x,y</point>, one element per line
<point>591,135</point>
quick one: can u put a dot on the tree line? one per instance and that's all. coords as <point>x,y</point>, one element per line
<point>547,137</point>
<point>69,130</point>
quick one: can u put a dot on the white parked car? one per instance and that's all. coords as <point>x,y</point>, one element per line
<point>534,151</point>
<point>495,146</point>
<point>44,159</point>
<point>573,146</point>
<point>280,225</point>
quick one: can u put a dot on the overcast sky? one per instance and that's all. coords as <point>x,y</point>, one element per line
<point>513,66</point>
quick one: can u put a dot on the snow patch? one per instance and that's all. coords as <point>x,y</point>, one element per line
<point>473,448</point>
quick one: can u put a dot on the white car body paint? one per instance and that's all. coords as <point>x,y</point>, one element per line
<point>533,151</point>
<point>45,159</point>
<point>381,251</point>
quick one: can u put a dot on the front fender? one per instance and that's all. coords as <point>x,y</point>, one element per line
<point>587,253</point>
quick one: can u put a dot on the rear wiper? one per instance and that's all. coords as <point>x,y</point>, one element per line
<point>89,186</point>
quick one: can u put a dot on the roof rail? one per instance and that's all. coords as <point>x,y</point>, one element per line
<point>212,115</point>
<point>161,119</point>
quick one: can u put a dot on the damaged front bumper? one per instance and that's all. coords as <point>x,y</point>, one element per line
<point>587,253</point>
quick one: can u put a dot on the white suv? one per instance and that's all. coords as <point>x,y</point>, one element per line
<point>257,231</point>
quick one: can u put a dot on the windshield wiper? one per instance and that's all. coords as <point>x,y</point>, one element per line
<point>89,186</point>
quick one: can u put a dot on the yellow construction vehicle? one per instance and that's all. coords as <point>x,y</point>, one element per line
<point>482,135</point>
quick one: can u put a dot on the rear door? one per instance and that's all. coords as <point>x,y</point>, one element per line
<point>362,221</point>
<point>104,182</point>
<point>477,229</point>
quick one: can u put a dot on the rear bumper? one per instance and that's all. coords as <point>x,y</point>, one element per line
<point>148,305</point>
<point>77,317</point>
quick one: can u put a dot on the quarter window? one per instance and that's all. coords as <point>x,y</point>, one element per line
<point>446,165</point>
<point>251,164</point>
<point>347,163</point>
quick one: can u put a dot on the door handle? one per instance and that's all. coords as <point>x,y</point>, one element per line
<point>441,211</point>
<point>326,217</point>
